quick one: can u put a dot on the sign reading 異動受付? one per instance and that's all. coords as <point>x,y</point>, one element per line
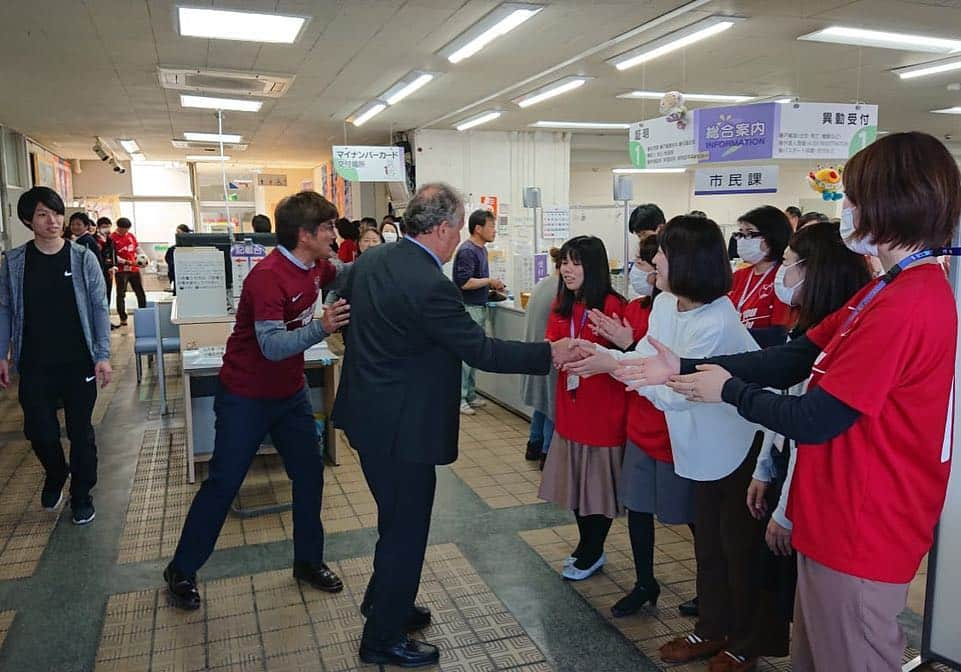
<point>825,130</point>
<point>366,163</point>
<point>735,180</point>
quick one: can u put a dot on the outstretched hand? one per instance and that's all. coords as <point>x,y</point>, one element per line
<point>595,362</point>
<point>654,370</point>
<point>615,329</point>
<point>336,315</point>
<point>564,351</point>
<point>705,385</point>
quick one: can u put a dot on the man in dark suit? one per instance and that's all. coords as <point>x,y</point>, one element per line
<point>410,336</point>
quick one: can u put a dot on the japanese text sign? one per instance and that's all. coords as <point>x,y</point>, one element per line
<point>363,163</point>
<point>735,180</point>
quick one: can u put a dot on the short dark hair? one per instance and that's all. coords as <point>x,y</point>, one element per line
<point>347,229</point>
<point>646,217</point>
<point>773,225</point>
<point>832,272</point>
<point>432,204</point>
<point>104,221</point>
<point>907,189</point>
<point>589,252</point>
<point>479,218</point>
<point>31,198</point>
<point>124,223</point>
<point>793,210</point>
<point>647,248</point>
<point>82,216</point>
<point>305,210</point>
<point>260,224</point>
<point>810,218</point>
<point>698,267</point>
<point>369,223</point>
<point>183,228</point>
<point>697,213</point>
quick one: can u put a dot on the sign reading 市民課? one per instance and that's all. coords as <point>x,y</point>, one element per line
<point>722,180</point>
<point>753,132</point>
<point>366,163</point>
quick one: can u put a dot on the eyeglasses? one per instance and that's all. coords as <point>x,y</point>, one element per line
<point>741,235</point>
<point>326,226</point>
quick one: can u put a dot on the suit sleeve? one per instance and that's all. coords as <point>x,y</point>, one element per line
<point>445,321</point>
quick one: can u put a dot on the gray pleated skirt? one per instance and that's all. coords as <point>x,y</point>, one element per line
<point>651,486</point>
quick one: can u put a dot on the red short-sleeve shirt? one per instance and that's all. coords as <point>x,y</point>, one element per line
<point>866,502</point>
<point>275,289</point>
<point>595,414</point>
<point>646,426</point>
<point>753,296</point>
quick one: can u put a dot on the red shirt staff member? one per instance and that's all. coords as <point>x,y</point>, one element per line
<point>762,235</point>
<point>261,390</point>
<point>126,247</point>
<point>875,426</point>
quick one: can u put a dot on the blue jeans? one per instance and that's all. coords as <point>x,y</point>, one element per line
<point>241,426</point>
<point>467,388</point>
<point>542,431</point>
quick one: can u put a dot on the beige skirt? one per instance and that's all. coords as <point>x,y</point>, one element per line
<point>583,478</point>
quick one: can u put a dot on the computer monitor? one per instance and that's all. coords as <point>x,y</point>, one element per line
<point>221,241</point>
<point>265,239</point>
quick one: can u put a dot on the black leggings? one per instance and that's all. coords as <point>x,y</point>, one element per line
<point>132,277</point>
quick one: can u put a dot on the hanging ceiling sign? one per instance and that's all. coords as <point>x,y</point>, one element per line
<point>737,133</point>
<point>269,180</point>
<point>658,143</point>
<point>719,181</point>
<point>365,163</point>
<point>825,130</point>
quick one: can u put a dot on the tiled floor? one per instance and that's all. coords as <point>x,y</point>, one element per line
<point>491,460</point>
<point>6,619</point>
<point>269,622</point>
<point>24,526</point>
<point>161,497</point>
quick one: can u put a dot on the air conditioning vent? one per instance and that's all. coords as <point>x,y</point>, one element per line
<point>209,146</point>
<point>225,81</point>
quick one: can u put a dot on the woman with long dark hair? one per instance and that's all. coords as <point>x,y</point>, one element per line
<point>583,467</point>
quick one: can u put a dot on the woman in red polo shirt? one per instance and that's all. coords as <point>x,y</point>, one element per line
<point>762,236</point>
<point>874,427</point>
<point>583,466</point>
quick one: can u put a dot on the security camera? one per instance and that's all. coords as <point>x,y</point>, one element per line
<point>101,152</point>
<point>119,169</point>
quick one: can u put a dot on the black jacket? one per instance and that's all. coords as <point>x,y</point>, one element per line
<point>409,333</point>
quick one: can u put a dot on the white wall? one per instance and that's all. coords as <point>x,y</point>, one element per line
<point>98,179</point>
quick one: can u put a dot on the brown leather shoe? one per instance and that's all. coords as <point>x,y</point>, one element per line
<point>682,650</point>
<point>726,662</point>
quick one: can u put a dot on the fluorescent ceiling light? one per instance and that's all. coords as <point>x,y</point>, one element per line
<point>784,101</point>
<point>365,114</point>
<point>930,68</point>
<point>948,110</point>
<point>503,19</point>
<point>596,125</point>
<point>477,120</point>
<point>406,86</point>
<point>883,40</point>
<point>646,171</point>
<point>693,97</point>
<point>206,157</point>
<point>213,137</point>
<point>130,146</point>
<point>137,157</point>
<point>697,31</point>
<point>222,24</point>
<point>551,90</point>
<point>208,103</point>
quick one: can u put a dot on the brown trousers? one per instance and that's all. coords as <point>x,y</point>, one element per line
<point>727,545</point>
<point>842,622</point>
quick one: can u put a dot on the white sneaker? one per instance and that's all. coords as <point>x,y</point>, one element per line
<point>465,409</point>
<point>572,573</point>
<point>477,403</point>
<point>569,560</point>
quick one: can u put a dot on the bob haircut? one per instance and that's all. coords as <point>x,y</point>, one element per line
<point>590,254</point>
<point>646,217</point>
<point>31,198</point>
<point>773,225</point>
<point>832,272</point>
<point>907,191</point>
<point>305,210</point>
<point>698,267</point>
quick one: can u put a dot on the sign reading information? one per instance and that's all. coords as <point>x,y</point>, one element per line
<point>739,133</point>
<point>365,163</point>
<point>825,130</point>
<point>735,180</point>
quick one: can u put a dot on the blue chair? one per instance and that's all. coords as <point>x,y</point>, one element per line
<point>145,334</point>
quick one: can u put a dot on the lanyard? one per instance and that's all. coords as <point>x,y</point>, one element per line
<point>745,295</point>
<point>583,321</point>
<point>889,277</point>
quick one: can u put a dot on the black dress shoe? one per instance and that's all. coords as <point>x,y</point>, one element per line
<point>634,600</point>
<point>182,589</point>
<point>406,653</point>
<point>418,620</point>
<point>533,452</point>
<point>319,576</point>
<point>690,608</point>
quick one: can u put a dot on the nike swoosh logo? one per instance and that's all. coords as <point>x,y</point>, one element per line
<point>295,299</point>
<point>67,274</point>
<point>90,379</point>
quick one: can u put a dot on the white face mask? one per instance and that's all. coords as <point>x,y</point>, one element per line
<point>784,293</point>
<point>749,249</point>
<point>639,281</point>
<point>863,246</point>
<point>390,237</point>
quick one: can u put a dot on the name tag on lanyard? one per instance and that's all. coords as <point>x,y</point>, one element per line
<point>573,380</point>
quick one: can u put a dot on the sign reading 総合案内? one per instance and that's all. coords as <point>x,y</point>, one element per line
<point>725,180</point>
<point>737,133</point>
<point>366,163</point>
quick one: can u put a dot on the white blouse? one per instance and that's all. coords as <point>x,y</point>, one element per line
<point>709,441</point>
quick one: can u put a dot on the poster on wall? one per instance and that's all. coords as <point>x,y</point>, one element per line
<point>367,163</point>
<point>736,133</point>
<point>335,189</point>
<point>719,181</point>
<point>825,130</point>
<point>657,143</point>
<point>556,224</point>
<point>489,203</point>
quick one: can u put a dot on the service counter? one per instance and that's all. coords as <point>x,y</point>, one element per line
<point>505,321</point>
